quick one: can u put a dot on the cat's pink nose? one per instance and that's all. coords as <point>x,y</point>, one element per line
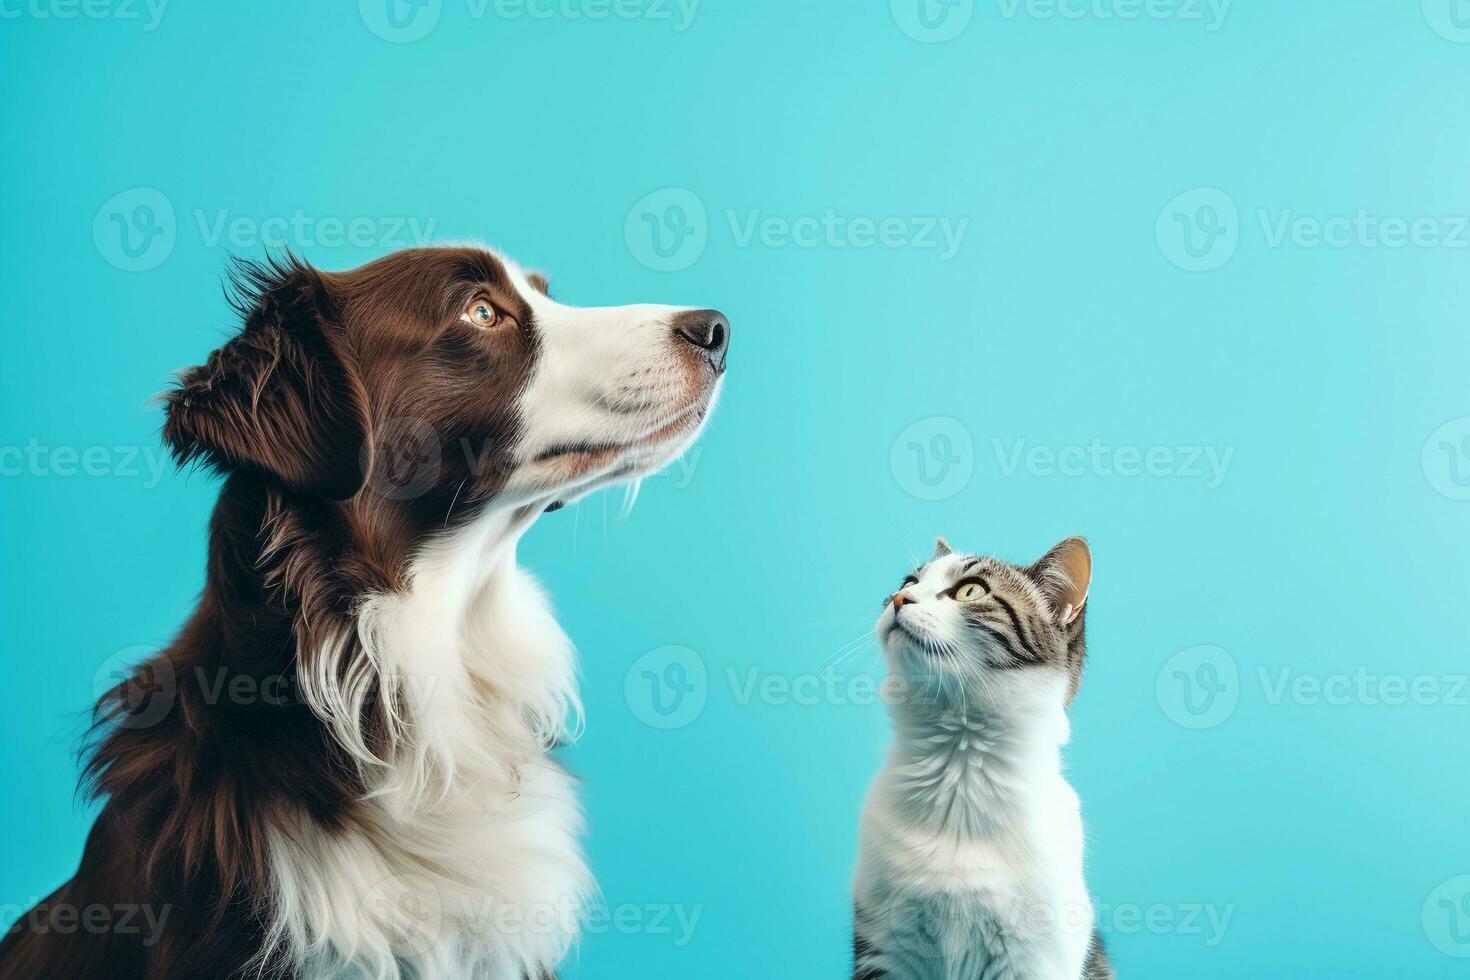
<point>901,599</point>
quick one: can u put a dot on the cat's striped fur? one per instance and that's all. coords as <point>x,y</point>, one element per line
<point>971,863</point>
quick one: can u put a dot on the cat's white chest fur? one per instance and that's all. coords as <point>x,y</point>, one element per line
<point>971,860</point>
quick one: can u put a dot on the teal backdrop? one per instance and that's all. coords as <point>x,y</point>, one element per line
<point>1189,278</point>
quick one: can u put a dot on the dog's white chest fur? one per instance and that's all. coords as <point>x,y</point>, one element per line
<point>466,861</point>
<point>971,861</point>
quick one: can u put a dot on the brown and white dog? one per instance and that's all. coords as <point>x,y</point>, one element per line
<point>341,765</point>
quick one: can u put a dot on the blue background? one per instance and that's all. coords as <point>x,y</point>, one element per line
<point>1334,543</point>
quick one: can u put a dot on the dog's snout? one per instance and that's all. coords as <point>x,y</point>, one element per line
<point>708,332</point>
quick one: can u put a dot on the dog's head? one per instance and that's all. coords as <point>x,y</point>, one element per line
<point>442,379</point>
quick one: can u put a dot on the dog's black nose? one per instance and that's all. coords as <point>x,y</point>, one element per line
<point>708,331</point>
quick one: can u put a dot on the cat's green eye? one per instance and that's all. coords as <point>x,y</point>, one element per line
<point>968,591</point>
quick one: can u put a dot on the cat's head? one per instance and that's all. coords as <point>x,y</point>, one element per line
<point>977,623</point>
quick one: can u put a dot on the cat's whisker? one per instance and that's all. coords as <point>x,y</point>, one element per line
<point>874,666</point>
<point>850,655</point>
<point>904,543</point>
<point>848,618</point>
<point>846,650</point>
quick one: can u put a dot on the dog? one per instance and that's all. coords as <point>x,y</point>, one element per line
<point>341,766</point>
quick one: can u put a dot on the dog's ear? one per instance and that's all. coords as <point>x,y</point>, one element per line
<point>279,397</point>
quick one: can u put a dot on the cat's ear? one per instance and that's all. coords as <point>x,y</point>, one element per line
<point>278,398</point>
<point>941,548</point>
<point>1065,574</point>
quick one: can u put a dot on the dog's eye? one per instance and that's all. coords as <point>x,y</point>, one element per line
<point>968,591</point>
<point>481,313</point>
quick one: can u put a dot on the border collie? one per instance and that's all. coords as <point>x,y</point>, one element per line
<point>340,767</point>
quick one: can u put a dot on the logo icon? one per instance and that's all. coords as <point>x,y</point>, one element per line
<point>145,684</point>
<point>1449,18</point>
<point>932,21</point>
<point>404,459</point>
<point>400,21</point>
<point>410,910</point>
<point>934,458</point>
<point>1199,231</point>
<point>1199,687</point>
<point>667,688</point>
<point>1447,917</point>
<point>1446,459</point>
<point>667,230</point>
<point>135,230</point>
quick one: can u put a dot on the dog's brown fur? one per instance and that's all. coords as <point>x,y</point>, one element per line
<point>307,521</point>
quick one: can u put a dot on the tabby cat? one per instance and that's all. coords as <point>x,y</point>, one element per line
<point>971,853</point>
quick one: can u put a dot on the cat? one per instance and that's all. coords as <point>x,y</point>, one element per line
<point>970,861</point>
